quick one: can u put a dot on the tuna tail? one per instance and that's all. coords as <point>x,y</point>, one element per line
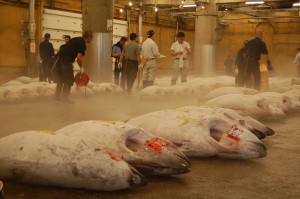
<point>137,178</point>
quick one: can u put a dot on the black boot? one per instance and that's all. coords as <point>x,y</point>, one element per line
<point>65,94</point>
<point>58,90</point>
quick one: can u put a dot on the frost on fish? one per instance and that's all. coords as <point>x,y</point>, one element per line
<point>44,158</point>
<point>228,90</point>
<point>147,153</point>
<point>249,105</point>
<point>202,132</point>
<point>285,102</point>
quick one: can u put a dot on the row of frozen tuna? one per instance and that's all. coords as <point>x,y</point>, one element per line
<point>102,155</point>
<point>262,106</point>
<point>28,89</point>
<point>199,87</point>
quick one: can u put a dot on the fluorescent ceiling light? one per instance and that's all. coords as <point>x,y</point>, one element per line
<point>189,5</point>
<point>254,2</point>
<point>296,4</point>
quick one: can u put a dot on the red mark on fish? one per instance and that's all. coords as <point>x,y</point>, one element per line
<point>158,144</point>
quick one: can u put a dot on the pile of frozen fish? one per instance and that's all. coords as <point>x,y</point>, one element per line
<point>113,155</point>
<point>29,89</point>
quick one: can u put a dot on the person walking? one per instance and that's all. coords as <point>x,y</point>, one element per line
<point>132,55</point>
<point>297,62</point>
<point>240,65</point>
<point>254,49</point>
<point>180,50</point>
<point>46,51</point>
<point>116,53</point>
<point>65,75</point>
<point>150,54</point>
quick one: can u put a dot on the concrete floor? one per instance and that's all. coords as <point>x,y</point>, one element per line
<point>276,176</point>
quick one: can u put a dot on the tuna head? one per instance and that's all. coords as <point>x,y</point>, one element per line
<point>154,155</point>
<point>269,111</point>
<point>236,142</point>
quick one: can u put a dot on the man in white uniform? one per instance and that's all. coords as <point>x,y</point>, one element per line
<point>150,54</point>
<point>297,62</point>
<point>180,50</point>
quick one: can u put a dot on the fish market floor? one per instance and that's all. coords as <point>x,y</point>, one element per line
<point>276,176</point>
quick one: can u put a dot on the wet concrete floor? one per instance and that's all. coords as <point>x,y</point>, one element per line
<point>276,176</point>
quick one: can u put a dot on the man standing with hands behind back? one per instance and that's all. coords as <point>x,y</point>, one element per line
<point>180,50</point>
<point>150,54</point>
<point>46,52</point>
<point>132,55</point>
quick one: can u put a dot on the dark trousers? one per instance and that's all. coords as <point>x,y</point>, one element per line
<point>65,79</point>
<point>131,72</point>
<point>252,68</point>
<point>117,73</point>
<point>239,79</point>
<point>44,71</point>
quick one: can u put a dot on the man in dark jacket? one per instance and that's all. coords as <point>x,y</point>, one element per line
<point>254,49</point>
<point>240,65</point>
<point>46,52</point>
<point>116,53</point>
<point>67,38</point>
<point>75,49</point>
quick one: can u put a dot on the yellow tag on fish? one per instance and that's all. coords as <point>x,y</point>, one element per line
<point>185,120</point>
<point>110,122</point>
<point>47,131</point>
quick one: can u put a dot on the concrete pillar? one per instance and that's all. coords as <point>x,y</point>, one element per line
<point>205,39</point>
<point>31,68</point>
<point>97,16</point>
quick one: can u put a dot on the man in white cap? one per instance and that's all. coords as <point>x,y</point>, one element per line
<point>150,54</point>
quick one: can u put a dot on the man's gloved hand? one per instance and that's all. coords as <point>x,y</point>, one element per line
<point>81,70</point>
<point>119,65</point>
<point>141,66</point>
<point>270,67</point>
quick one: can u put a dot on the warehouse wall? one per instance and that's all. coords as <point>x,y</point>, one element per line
<point>282,40</point>
<point>12,56</point>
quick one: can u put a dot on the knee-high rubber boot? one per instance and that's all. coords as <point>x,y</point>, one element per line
<point>58,90</point>
<point>173,82</point>
<point>66,92</point>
